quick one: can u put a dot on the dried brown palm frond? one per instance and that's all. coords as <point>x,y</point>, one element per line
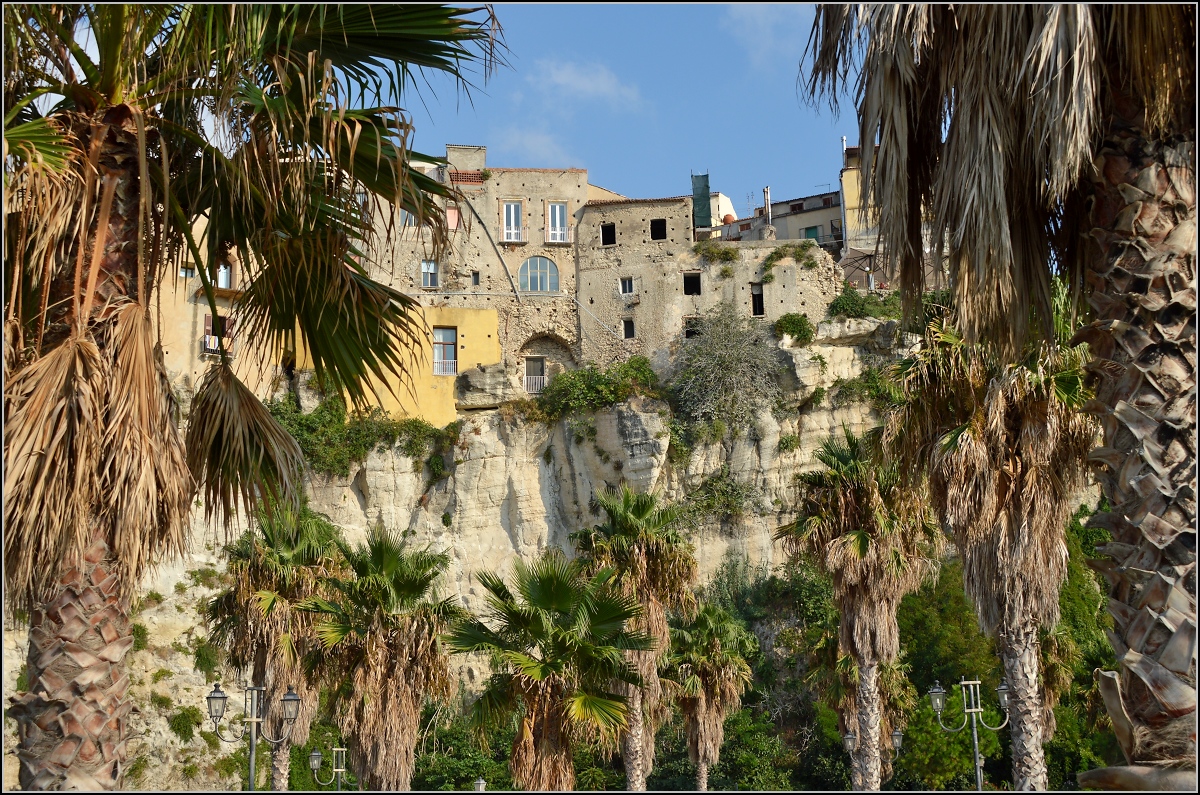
<point>236,450</point>
<point>53,426</point>
<point>987,118</point>
<point>145,482</point>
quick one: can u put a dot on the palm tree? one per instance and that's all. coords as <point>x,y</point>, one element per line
<point>557,646</point>
<point>255,622</point>
<point>1065,134</point>
<point>654,565</point>
<point>1004,448</point>
<point>380,651</point>
<point>138,138</point>
<point>874,539</point>
<point>708,658</point>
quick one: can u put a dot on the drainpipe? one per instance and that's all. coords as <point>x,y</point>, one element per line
<point>495,248</point>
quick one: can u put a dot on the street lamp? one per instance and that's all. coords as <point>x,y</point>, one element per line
<point>339,766</point>
<point>973,711</point>
<point>897,740</point>
<point>849,742</point>
<point>480,784</point>
<point>253,718</point>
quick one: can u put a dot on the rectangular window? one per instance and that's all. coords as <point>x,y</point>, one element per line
<point>445,351</point>
<point>835,229</point>
<point>757,307</point>
<point>628,328</point>
<point>512,222</point>
<point>225,276</point>
<point>743,227</point>
<point>429,273</point>
<point>797,208</point>
<point>474,278</point>
<point>627,285</point>
<point>407,218</point>
<point>556,223</point>
<point>826,201</point>
<point>452,218</point>
<point>691,327</point>
<point>608,234</point>
<point>658,228</point>
<point>187,271</point>
<point>812,232</point>
<point>535,374</point>
<point>691,284</point>
<point>214,328</point>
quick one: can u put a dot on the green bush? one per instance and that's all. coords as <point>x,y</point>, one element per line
<point>190,771</point>
<point>211,740</point>
<point>159,701</point>
<point>185,722</point>
<point>713,251</point>
<point>152,599</point>
<point>796,325</point>
<point>206,659</point>
<point>576,392</point>
<point>815,399</point>
<point>161,674</point>
<point>871,386</point>
<point>447,520</point>
<point>23,678</point>
<point>207,577</point>
<point>726,272</point>
<point>181,587</point>
<point>331,440</point>
<point>721,496</point>
<point>141,636</point>
<point>137,769</point>
<point>851,303</point>
<point>788,442</point>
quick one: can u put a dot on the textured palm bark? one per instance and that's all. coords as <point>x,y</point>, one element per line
<point>632,743</point>
<point>1019,653</point>
<point>702,777</point>
<point>1143,292</point>
<point>870,720</point>
<point>281,757</point>
<point>72,722</point>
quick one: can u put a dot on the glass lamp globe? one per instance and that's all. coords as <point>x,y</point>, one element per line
<point>1002,694</point>
<point>937,696</point>
<point>897,739</point>
<point>216,703</point>
<point>849,741</point>
<point>291,705</point>
<point>314,760</point>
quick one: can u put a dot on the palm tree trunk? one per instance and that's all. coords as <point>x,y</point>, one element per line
<point>281,757</point>
<point>1019,653</point>
<point>1143,278</point>
<point>72,722</point>
<point>870,718</point>
<point>631,742</point>
<point>702,776</point>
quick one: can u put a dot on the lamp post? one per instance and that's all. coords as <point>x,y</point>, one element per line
<point>480,784</point>
<point>973,711</point>
<point>253,718</point>
<point>339,766</point>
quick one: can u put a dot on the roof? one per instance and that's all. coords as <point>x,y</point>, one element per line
<point>806,198</point>
<point>554,170</point>
<point>638,201</point>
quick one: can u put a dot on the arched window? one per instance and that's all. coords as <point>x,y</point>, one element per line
<point>539,275</point>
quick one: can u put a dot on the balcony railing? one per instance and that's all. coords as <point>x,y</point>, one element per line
<point>560,236</point>
<point>445,367</point>
<point>534,384</point>
<point>515,235</point>
<point>210,345</point>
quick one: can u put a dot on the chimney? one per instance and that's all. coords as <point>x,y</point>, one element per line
<point>767,203</point>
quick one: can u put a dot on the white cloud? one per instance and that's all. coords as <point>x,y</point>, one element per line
<point>533,149</point>
<point>561,81</point>
<point>773,36</point>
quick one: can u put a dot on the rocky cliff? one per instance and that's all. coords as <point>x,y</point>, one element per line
<point>513,488</point>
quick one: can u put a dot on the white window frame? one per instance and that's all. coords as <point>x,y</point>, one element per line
<point>224,280</point>
<point>541,280</point>
<point>445,353</point>
<point>627,280</point>
<point>429,274</point>
<point>514,222</point>
<point>557,228</point>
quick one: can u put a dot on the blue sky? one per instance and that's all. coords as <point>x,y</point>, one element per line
<point>643,95</point>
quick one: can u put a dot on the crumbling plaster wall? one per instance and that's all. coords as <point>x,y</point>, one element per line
<point>658,306</point>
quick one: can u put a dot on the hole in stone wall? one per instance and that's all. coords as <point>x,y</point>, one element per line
<point>691,284</point>
<point>608,234</point>
<point>658,228</point>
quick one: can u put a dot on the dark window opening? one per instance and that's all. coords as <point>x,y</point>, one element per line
<point>757,307</point>
<point>658,228</point>
<point>827,201</point>
<point>691,327</point>
<point>627,285</point>
<point>797,208</point>
<point>475,278</point>
<point>628,329</point>
<point>608,234</point>
<point>744,227</point>
<point>691,284</point>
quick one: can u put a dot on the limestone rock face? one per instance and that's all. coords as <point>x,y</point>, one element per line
<point>486,386</point>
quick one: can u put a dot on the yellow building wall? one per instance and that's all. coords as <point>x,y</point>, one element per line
<point>432,397</point>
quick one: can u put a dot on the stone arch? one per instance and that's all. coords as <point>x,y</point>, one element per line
<point>544,355</point>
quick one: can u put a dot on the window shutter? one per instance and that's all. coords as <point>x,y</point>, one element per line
<point>208,325</point>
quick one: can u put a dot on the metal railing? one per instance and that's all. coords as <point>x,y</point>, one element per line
<point>561,235</point>
<point>209,344</point>
<point>534,384</point>
<point>515,235</point>
<point>445,367</point>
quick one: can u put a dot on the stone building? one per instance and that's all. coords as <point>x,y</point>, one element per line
<point>817,217</point>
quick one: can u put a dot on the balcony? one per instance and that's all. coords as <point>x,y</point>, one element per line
<point>515,235</point>
<point>210,345</point>
<point>534,384</point>
<point>445,367</point>
<point>560,237</point>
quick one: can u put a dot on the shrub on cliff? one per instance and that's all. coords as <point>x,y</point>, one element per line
<point>798,326</point>
<point>590,388</point>
<point>728,370</point>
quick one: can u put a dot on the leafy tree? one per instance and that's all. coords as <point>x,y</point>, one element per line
<point>709,661</point>
<point>1003,447</point>
<point>1084,158</point>
<point>874,539</point>
<point>556,646</point>
<point>195,131</point>
<point>380,651</point>
<point>653,565</point>
<point>255,623</point>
